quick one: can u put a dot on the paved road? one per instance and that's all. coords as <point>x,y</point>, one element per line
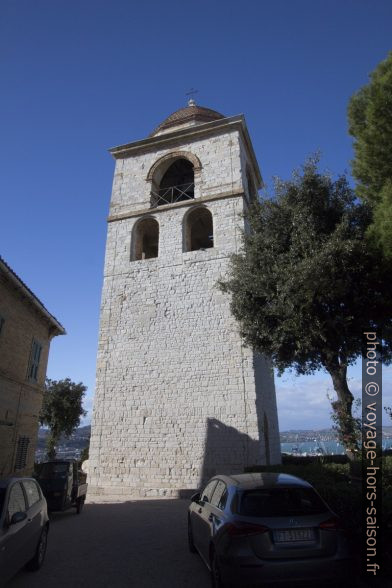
<point>132,544</point>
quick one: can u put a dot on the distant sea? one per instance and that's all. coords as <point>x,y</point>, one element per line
<point>321,447</point>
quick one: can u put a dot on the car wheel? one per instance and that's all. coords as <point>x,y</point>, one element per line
<point>191,545</point>
<point>39,556</point>
<point>79,505</point>
<point>216,579</point>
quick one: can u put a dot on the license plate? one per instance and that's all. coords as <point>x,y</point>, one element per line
<point>290,535</point>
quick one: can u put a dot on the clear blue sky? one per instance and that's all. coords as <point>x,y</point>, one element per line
<point>81,76</point>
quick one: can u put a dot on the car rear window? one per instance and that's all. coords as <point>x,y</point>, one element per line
<point>32,492</point>
<point>16,501</point>
<point>280,502</point>
<point>208,490</point>
<point>219,498</point>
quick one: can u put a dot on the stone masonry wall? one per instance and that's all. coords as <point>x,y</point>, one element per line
<point>176,394</point>
<point>221,171</point>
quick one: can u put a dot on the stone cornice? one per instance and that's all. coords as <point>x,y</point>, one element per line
<point>168,140</point>
<point>184,203</point>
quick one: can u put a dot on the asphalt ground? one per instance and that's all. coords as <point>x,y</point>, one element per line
<point>138,544</point>
<point>131,544</point>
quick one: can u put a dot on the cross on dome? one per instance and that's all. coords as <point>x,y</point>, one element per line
<point>191,101</point>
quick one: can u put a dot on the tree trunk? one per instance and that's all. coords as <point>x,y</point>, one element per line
<point>51,446</point>
<point>343,408</point>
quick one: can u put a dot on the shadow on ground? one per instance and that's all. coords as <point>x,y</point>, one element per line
<point>140,544</point>
<point>132,544</point>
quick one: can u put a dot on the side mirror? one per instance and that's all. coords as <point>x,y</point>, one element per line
<point>18,517</point>
<point>195,497</point>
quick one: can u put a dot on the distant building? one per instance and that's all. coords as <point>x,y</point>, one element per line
<point>26,329</point>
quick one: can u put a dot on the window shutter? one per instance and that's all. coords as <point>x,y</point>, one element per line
<point>21,453</point>
<point>35,357</point>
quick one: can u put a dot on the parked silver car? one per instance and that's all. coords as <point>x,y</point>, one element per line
<point>252,529</point>
<point>24,526</point>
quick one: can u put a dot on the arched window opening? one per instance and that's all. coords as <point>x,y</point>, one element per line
<point>177,184</point>
<point>199,230</point>
<point>146,239</point>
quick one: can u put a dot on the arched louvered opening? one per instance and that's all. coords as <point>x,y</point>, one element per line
<point>145,240</point>
<point>199,232</point>
<point>177,184</point>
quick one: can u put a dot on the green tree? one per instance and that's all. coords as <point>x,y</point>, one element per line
<point>306,284</point>
<point>61,410</point>
<point>370,123</point>
<point>84,454</point>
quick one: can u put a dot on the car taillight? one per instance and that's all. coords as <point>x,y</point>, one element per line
<point>242,528</point>
<point>331,524</point>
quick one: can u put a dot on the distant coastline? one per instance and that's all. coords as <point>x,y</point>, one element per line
<point>295,442</point>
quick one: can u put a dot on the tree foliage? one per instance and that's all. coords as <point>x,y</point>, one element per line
<point>61,410</point>
<point>84,455</point>
<point>370,123</point>
<point>306,284</point>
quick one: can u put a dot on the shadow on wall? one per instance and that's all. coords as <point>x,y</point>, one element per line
<point>227,451</point>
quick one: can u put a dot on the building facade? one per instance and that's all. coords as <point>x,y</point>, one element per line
<point>26,329</point>
<point>178,396</point>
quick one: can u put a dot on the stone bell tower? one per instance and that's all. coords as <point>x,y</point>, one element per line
<point>178,396</point>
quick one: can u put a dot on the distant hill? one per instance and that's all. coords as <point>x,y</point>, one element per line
<point>78,440</point>
<point>70,448</point>
<point>81,437</point>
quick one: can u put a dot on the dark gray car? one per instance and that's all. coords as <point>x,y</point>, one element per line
<point>24,526</point>
<point>252,529</point>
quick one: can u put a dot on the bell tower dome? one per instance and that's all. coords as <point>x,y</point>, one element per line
<point>186,117</point>
<point>178,396</point>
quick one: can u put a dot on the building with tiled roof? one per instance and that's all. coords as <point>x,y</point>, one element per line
<point>26,330</point>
